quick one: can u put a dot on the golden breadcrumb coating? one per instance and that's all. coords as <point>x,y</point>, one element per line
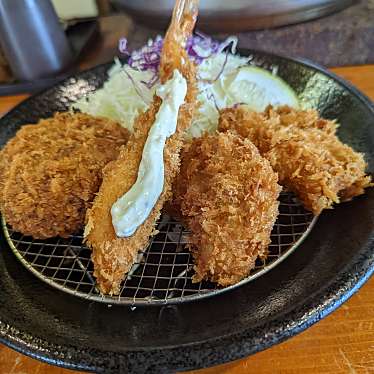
<point>305,152</point>
<point>227,195</point>
<point>50,172</point>
<point>113,256</point>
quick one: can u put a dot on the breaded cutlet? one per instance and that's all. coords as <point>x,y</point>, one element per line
<point>227,196</point>
<point>304,150</point>
<point>50,172</point>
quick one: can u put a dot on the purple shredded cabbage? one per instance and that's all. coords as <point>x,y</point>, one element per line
<point>122,46</point>
<point>137,90</point>
<point>236,105</point>
<point>199,47</point>
<point>213,98</point>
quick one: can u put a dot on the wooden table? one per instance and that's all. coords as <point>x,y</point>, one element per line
<point>341,343</point>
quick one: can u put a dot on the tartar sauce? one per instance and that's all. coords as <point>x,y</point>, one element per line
<point>133,208</point>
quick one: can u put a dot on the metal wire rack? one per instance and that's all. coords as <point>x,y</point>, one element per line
<point>163,272</point>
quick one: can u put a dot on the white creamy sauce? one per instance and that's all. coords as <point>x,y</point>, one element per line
<point>133,208</point>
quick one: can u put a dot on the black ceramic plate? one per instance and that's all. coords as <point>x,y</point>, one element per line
<point>333,262</point>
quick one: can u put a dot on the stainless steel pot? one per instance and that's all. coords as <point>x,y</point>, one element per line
<point>236,15</point>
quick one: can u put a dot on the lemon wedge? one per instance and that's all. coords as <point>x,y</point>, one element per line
<point>257,88</point>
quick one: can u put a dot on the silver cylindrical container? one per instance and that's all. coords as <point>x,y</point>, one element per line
<point>32,39</point>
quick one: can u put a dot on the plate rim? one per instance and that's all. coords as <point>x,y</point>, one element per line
<point>325,302</point>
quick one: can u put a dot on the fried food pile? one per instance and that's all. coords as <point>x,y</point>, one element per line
<point>225,192</point>
<point>304,150</point>
<point>74,169</point>
<point>50,172</point>
<point>227,195</point>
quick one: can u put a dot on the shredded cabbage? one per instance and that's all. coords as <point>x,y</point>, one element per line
<point>130,87</point>
<point>119,97</point>
<point>208,71</point>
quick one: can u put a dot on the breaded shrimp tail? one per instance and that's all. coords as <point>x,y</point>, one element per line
<point>305,152</point>
<point>113,256</point>
<point>227,195</point>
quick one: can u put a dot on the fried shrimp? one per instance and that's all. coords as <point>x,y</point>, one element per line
<point>227,196</point>
<point>305,152</point>
<point>113,256</point>
<point>50,172</point>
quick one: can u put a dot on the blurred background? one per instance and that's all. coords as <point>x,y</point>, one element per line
<point>38,48</point>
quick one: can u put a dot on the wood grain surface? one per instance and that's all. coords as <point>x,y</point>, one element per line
<point>341,343</point>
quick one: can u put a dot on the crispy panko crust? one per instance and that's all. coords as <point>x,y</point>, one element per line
<point>50,172</point>
<point>305,152</point>
<point>113,256</point>
<point>227,195</point>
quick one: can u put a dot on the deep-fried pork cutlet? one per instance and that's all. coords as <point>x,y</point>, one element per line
<point>50,172</point>
<point>305,152</point>
<point>113,256</point>
<point>227,195</point>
